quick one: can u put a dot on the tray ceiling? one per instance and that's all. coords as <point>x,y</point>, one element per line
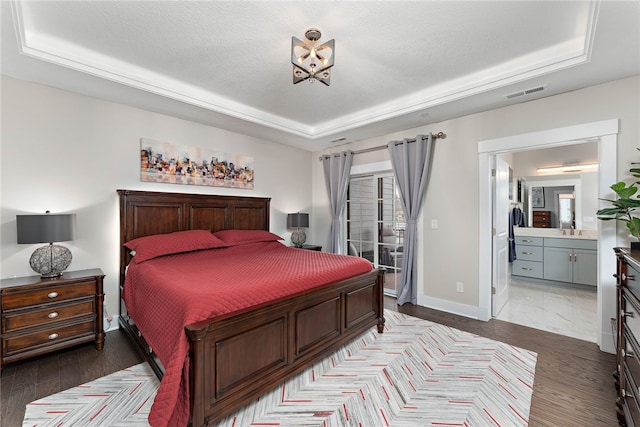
<point>397,64</point>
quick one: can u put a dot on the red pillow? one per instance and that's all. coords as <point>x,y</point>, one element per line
<point>238,237</point>
<point>149,247</point>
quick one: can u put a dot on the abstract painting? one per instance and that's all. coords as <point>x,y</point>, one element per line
<point>180,164</point>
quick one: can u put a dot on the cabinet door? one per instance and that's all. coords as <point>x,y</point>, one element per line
<point>585,267</point>
<point>557,264</point>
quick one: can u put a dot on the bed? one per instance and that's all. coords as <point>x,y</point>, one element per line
<point>223,369</point>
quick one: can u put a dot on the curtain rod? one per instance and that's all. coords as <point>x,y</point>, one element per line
<point>439,135</point>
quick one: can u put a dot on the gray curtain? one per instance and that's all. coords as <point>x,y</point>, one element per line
<point>337,170</point>
<point>411,163</point>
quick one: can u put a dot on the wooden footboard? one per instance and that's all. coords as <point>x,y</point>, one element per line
<point>238,358</point>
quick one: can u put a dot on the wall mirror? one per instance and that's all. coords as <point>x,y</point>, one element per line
<point>547,191</point>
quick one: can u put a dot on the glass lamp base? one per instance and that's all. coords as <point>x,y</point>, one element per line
<point>298,238</point>
<point>50,261</point>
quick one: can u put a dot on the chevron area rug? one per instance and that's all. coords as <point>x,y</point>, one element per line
<point>417,373</point>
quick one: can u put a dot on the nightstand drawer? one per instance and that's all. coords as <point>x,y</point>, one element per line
<point>630,355</point>
<point>53,313</point>
<point>48,295</point>
<point>47,337</point>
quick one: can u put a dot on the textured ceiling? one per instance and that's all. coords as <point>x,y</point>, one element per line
<point>397,64</point>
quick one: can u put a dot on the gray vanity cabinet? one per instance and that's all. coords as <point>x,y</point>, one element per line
<point>570,260</point>
<point>529,256</point>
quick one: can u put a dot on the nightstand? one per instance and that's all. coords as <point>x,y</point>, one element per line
<point>39,315</point>
<point>312,247</point>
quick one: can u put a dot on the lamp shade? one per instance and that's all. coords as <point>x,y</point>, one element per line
<point>296,220</point>
<point>45,228</point>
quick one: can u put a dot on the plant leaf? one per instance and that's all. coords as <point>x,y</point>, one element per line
<point>608,212</point>
<point>624,192</point>
<point>627,204</point>
<point>634,227</point>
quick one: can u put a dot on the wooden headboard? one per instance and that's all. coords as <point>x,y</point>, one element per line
<point>143,213</point>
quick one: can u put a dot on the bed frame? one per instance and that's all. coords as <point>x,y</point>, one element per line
<point>226,370</point>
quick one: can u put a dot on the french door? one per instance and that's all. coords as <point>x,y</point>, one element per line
<point>376,224</point>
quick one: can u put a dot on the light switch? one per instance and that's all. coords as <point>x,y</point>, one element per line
<point>434,224</point>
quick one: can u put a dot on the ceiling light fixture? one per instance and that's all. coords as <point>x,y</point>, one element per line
<point>577,167</point>
<point>311,60</point>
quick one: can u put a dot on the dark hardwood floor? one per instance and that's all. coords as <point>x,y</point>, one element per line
<point>32,379</point>
<point>573,382</point>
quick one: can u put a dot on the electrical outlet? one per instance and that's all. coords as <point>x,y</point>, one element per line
<point>459,287</point>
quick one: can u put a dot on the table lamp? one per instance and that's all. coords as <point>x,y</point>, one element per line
<point>297,220</point>
<point>50,260</point>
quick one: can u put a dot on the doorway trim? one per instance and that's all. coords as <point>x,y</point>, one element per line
<point>606,133</point>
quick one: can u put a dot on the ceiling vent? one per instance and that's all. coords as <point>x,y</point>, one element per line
<point>526,92</point>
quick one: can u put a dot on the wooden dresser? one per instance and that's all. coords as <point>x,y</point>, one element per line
<point>627,334</point>
<point>542,219</point>
<point>43,315</point>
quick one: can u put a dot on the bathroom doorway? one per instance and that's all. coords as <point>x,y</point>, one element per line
<point>605,133</point>
<point>560,306</point>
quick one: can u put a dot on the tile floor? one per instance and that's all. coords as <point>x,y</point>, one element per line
<point>565,310</point>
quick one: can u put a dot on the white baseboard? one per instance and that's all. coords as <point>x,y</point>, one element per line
<point>449,306</point>
<point>111,326</point>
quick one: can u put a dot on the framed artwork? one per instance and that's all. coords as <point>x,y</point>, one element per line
<point>537,197</point>
<point>179,164</point>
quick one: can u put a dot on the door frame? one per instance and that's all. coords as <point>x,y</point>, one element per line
<point>606,133</point>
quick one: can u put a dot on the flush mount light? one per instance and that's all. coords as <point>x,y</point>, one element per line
<point>311,60</point>
<point>578,167</point>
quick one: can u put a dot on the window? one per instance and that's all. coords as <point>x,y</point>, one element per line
<point>375,224</point>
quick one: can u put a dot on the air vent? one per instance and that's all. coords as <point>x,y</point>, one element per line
<point>515,95</point>
<point>526,92</point>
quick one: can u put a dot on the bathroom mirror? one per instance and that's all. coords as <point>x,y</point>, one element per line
<point>552,187</point>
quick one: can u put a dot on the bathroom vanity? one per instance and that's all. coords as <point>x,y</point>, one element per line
<point>550,254</point>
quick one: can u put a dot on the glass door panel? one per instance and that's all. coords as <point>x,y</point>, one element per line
<point>375,224</point>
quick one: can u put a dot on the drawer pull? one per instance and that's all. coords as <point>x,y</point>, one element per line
<point>52,315</point>
<point>527,268</point>
<point>52,294</point>
<point>625,393</point>
<point>626,313</point>
<point>527,241</point>
<point>53,336</point>
<point>625,277</point>
<point>627,353</point>
<point>527,253</point>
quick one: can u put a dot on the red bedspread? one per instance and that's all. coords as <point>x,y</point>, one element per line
<point>165,294</point>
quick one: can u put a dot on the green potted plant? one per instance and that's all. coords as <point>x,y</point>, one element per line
<point>624,207</point>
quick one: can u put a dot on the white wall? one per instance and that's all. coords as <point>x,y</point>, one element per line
<point>70,153</point>
<point>450,253</point>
